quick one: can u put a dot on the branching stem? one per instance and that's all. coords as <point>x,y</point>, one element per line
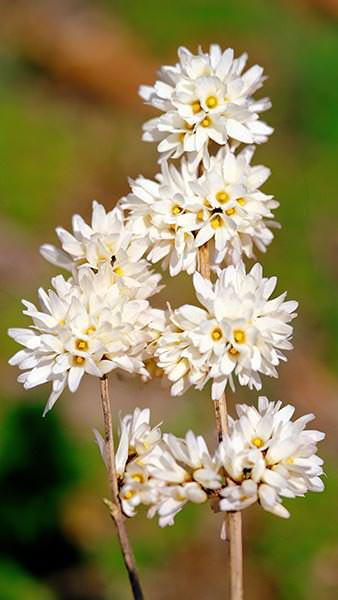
<point>114,505</point>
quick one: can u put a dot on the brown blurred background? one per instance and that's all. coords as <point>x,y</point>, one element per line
<point>70,131</point>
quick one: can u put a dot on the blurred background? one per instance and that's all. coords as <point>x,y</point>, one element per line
<point>70,132</point>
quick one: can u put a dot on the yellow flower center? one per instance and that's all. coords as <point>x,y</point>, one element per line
<point>78,360</point>
<point>196,107</point>
<point>206,203</point>
<point>222,197</point>
<point>257,441</point>
<point>200,215</point>
<point>206,122</point>
<point>211,101</point>
<point>233,351</point>
<point>176,209</point>
<point>138,477</point>
<point>90,330</point>
<point>239,336</point>
<point>241,201</point>
<point>62,322</point>
<point>290,461</point>
<point>129,494</point>
<point>81,345</point>
<point>216,222</point>
<point>230,211</point>
<point>216,334</point>
<point>118,271</point>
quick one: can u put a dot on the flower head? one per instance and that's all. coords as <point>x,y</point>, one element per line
<point>268,456</point>
<point>205,97</point>
<point>239,332</point>
<point>175,215</point>
<point>264,457</point>
<point>106,240</point>
<point>84,325</point>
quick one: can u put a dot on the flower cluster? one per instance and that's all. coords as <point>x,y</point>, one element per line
<point>205,98</point>
<point>175,215</point>
<point>240,332</point>
<point>84,325</point>
<point>264,457</point>
<point>105,241</point>
<point>100,318</point>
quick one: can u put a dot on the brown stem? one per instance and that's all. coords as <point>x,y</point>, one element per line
<point>234,526</point>
<point>233,519</point>
<point>114,505</point>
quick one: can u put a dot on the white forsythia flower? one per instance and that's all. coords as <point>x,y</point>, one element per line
<point>267,456</point>
<point>239,332</point>
<point>263,458</point>
<point>106,240</point>
<point>205,97</point>
<point>159,217</point>
<point>174,216</point>
<point>84,325</point>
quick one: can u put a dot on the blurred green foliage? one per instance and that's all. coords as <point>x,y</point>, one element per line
<point>38,466</point>
<point>290,551</point>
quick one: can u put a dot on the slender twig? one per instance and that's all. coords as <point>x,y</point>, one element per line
<point>233,519</point>
<point>114,505</point>
<point>234,525</point>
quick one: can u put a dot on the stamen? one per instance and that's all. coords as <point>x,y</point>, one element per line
<point>206,122</point>
<point>129,494</point>
<point>118,271</point>
<point>138,478</point>
<point>81,345</point>
<point>216,334</point>
<point>233,351</point>
<point>239,336</point>
<point>230,211</point>
<point>196,107</point>
<point>222,197</point>
<point>258,442</point>
<point>176,209</point>
<point>78,360</point>
<point>211,102</point>
<point>216,222</point>
<point>90,330</point>
<point>241,201</point>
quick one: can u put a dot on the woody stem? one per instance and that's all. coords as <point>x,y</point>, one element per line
<point>114,506</point>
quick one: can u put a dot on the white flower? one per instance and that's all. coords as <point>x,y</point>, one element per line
<point>175,215</point>
<point>267,456</point>
<point>240,332</point>
<point>173,498</point>
<point>205,97</point>
<point>264,457</point>
<point>233,211</point>
<point>105,241</point>
<point>84,326</point>
<point>159,218</point>
<point>194,454</point>
<point>137,438</point>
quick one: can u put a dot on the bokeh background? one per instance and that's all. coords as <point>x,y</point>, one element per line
<point>70,131</point>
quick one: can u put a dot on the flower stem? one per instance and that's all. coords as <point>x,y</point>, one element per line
<point>233,519</point>
<point>114,505</point>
